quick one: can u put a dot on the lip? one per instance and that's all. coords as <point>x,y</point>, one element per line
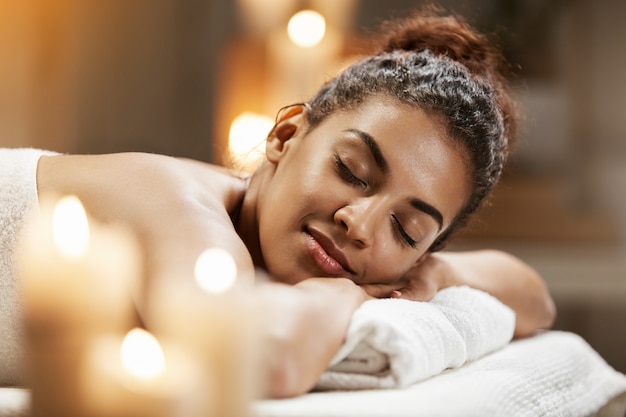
<point>328,257</point>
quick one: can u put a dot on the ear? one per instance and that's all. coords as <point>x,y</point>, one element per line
<point>290,123</point>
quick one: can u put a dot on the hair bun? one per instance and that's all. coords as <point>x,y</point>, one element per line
<point>443,34</point>
<point>429,28</point>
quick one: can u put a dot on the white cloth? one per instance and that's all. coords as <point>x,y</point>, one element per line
<point>14,402</point>
<point>393,343</point>
<point>18,194</point>
<point>554,374</point>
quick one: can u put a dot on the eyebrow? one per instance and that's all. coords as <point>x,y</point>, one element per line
<point>381,162</point>
<point>424,207</point>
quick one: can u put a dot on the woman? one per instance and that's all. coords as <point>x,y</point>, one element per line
<point>361,186</point>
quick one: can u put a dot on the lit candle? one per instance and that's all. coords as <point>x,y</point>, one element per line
<point>138,376</point>
<point>301,57</point>
<point>216,320</point>
<point>76,278</point>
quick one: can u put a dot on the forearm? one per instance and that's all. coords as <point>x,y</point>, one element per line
<point>307,325</point>
<point>507,278</point>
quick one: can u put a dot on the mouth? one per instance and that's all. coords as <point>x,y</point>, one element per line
<point>328,257</point>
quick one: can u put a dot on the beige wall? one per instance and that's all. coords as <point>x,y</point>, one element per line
<point>107,76</point>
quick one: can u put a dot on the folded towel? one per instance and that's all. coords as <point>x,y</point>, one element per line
<point>394,342</point>
<point>553,374</point>
<point>18,194</point>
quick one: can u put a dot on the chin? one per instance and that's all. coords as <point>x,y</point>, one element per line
<point>290,277</point>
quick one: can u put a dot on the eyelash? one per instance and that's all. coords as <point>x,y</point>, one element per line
<point>403,234</point>
<point>347,174</point>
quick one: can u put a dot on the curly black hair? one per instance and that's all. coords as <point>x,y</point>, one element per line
<point>441,65</point>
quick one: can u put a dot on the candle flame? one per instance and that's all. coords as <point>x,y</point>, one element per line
<point>215,270</point>
<point>306,28</point>
<point>70,227</point>
<point>141,354</point>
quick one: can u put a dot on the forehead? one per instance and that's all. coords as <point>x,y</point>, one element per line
<point>423,161</point>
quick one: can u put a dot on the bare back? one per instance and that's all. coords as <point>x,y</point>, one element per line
<point>177,207</point>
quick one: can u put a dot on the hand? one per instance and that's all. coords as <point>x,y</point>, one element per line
<point>422,282</point>
<point>349,288</point>
<point>338,286</point>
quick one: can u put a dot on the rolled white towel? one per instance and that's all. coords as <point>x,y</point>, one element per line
<point>393,343</point>
<point>18,194</point>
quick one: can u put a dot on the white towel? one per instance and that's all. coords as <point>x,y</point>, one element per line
<point>394,342</point>
<point>14,402</point>
<point>18,194</point>
<point>554,374</point>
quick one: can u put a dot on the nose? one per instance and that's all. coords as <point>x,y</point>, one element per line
<point>360,219</point>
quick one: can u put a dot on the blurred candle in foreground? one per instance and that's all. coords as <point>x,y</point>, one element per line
<point>215,318</point>
<point>215,271</point>
<point>70,227</point>
<point>76,276</point>
<point>141,354</point>
<point>246,141</point>
<point>138,376</point>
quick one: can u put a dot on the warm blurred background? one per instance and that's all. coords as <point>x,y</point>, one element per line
<point>180,76</point>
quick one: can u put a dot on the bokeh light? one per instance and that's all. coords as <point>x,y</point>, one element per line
<point>306,28</point>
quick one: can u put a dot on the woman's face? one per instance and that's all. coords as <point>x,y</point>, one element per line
<point>361,196</point>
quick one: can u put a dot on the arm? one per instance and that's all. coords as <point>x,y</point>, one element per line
<point>169,204</point>
<point>307,325</point>
<point>500,274</point>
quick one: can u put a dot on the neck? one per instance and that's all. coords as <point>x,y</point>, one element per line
<point>247,225</point>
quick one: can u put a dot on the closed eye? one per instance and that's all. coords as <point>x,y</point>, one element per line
<point>403,234</point>
<point>347,174</point>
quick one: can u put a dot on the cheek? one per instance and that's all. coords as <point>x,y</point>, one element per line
<point>303,190</point>
<point>316,187</point>
<point>387,262</point>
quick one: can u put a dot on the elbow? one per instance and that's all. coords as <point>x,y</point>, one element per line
<point>286,374</point>
<point>549,315</point>
<point>542,316</point>
<point>546,308</point>
<point>284,380</point>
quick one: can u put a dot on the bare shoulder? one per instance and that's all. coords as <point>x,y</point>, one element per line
<point>216,180</point>
<point>102,180</point>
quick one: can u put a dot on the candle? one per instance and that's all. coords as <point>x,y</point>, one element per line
<point>216,320</point>
<point>76,278</point>
<point>138,376</point>
<point>300,58</point>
